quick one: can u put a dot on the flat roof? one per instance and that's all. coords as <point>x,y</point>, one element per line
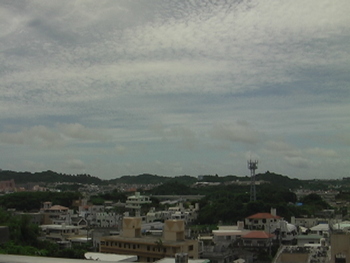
<point>109,257</point>
<point>230,232</point>
<point>172,260</point>
<point>53,226</point>
<point>146,240</point>
<point>32,259</point>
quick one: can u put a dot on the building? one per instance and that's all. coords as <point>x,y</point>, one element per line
<point>227,235</point>
<point>7,186</point>
<point>302,254</point>
<point>340,247</point>
<point>61,234</point>
<point>267,222</point>
<point>272,224</point>
<point>302,240</point>
<point>178,212</point>
<point>149,248</point>
<point>257,239</point>
<point>53,212</point>
<point>135,202</point>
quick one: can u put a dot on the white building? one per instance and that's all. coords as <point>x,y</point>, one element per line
<point>61,234</point>
<point>136,201</point>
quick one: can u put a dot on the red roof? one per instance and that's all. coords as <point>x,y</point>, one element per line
<point>58,207</point>
<point>263,216</point>
<point>258,235</point>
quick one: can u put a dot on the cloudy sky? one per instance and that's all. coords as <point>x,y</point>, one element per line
<point>113,88</point>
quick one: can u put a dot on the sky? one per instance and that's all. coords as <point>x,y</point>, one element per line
<point>197,87</point>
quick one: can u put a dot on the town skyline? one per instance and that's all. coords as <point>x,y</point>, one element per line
<point>113,88</point>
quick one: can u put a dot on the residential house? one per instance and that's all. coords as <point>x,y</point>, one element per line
<point>257,239</point>
<point>53,212</point>
<point>61,234</point>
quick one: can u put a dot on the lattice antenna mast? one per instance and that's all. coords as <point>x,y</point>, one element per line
<point>252,166</point>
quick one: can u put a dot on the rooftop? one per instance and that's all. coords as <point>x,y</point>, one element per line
<point>263,216</point>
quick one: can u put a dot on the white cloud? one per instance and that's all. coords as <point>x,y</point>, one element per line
<point>94,77</point>
<point>322,152</point>
<point>36,135</point>
<point>75,164</point>
<point>78,131</point>
<point>239,131</point>
<point>298,162</point>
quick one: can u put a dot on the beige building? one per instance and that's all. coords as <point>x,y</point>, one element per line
<point>150,248</point>
<point>340,247</point>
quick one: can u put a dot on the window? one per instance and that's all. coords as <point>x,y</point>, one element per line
<point>190,248</point>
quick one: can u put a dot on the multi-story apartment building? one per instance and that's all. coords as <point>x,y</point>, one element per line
<point>53,212</point>
<point>150,248</point>
<point>174,212</point>
<point>272,224</point>
<point>135,202</point>
<point>268,222</point>
<point>107,219</point>
<point>60,234</point>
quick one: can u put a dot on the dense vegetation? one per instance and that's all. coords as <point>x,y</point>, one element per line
<point>29,201</point>
<point>24,239</point>
<point>47,177</point>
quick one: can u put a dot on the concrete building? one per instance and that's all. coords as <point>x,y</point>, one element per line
<point>7,186</point>
<point>308,222</point>
<point>267,222</point>
<point>135,202</point>
<point>302,254</point>
<point>227,235</point>
<point>273,224</point>
<point>257,239</point>
<point>302,240</point>
<point>53,212</point>
<point>150,248</point>
<point>340,247</point>
<point>178,212</point>
<point>61,234</point>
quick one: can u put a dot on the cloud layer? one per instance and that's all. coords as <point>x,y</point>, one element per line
<point>167,87</point>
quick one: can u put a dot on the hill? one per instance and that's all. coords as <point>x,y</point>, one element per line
<point>47,177</point>
<point>52,177</point>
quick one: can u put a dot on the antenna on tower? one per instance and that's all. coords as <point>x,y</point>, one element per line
<point>252,166</point>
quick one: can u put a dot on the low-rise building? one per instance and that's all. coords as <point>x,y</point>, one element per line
<point>267,222</point>
<point>150,248</point>
<point>61,234</point>
<point>53,212</point>
<point>257,239</point>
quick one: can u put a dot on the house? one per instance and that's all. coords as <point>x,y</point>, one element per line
<point>53,212</point>
<point>150,248</point>
<point>272,223</point>
<point>61,234</point>
<point>302,240</point>
<point>257,239</point>
<point>267,222</point>
<point>227,235</point>
<point>320,229</point>
<point>178,212</point>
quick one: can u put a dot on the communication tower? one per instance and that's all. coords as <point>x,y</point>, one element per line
<point>252,166</point>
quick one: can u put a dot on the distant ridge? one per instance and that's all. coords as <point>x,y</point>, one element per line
<point>146,178</point>
<point>47,177</point>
